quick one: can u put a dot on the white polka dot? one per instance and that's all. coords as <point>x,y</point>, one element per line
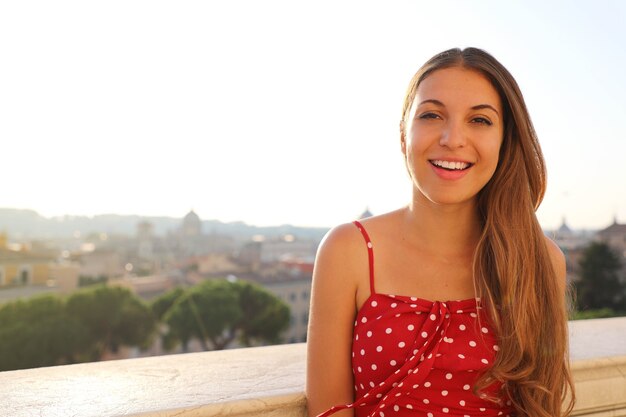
<point>401,344</point>
<point>448,376</point>
<point>433,317</point>
<point>379,395</point>
<point>472,343</point>
<point>394,305</point>
<point>392,362</point>
<point>496,348</point>
<point>482,409</point>
<point>369,333</point>
<point>379,348</point>
<point>430,414</point>
<point>372,384</point>
<point>427,384</point>
<point>357,337</point>
<point>359,369</point>
<point>473,315</point>
<point>444,392</point>
<point>462,402</point>
<point>396,408</point>
<point>462,327</point>
<point>484,330</point>
<point>369,244</point>
<point>445,409</point>
<point>398,315</point>
<point>416,386</point>
<point>462,356</point>
<point>448,339</point>
<point>424,335</point>
<point>374,303</point>
<point>409,406</point>
<point>466,387</point>
<point>413,305</point>
<point>374,367</point>
<point>426,401</point>
<point>485,361</point>
<point>388,330</point>
<point>362,352</point>
<point>410,327</point>
<point>413,298</point>
<point>364,320</point>
<point>459,311</point>
<point>381,413</point>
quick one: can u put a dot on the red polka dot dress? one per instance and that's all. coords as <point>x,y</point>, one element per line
<point>414,357</point>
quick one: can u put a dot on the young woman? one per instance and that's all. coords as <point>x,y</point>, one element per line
<point>455,304</point>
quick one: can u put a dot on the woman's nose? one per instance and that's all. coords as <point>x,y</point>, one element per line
<point>453,136</point>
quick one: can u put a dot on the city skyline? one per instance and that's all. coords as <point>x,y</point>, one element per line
<point>279,113</point>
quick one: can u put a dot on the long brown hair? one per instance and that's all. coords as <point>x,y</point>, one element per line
<point>512,269</point>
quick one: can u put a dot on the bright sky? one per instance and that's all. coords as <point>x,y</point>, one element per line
<point>275,112</point>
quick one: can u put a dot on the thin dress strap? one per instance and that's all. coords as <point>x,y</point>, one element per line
<point>370,254</point>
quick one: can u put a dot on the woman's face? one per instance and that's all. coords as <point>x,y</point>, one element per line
<point>453,136</point>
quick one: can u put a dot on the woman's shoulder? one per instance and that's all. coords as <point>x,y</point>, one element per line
<point>350,239</point>
<point>558,261</point>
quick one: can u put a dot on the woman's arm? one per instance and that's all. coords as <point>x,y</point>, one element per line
<point>341,259</point>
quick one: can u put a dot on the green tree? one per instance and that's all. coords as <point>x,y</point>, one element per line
<point>207,312</point>
<point>219,311</point>
<point>39,332</point>
<point>599,285</point>
<point>264,315</point>
<point>114,317</point>
<point>163,303</point>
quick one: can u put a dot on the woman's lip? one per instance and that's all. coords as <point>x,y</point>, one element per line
<point>447,174</point>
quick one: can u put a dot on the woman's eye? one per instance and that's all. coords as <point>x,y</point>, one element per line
<point>482,120</point>
<point>429,116</point>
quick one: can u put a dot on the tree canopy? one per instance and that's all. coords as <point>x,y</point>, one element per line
<point>219,311</point>
<point>114,317</point>
<point>52,330</point>
<point>599,285</point>
<point>39,332</point>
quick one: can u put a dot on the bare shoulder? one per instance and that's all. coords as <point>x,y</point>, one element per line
<point>342,252</point>
<point>558,260</point>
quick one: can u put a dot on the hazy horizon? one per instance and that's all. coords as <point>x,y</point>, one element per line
<point>280,112</point>
<point>248,223</point>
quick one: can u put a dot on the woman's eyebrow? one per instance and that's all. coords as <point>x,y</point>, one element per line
<point>476,107</point>
<point>433,101</point>
<point>485,106</point>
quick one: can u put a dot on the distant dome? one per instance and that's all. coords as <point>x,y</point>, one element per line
<point>564,230</point>
<point>366,214</point>
<point>192,225</point>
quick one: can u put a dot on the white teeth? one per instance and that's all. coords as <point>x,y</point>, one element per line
<point>450,164</point>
